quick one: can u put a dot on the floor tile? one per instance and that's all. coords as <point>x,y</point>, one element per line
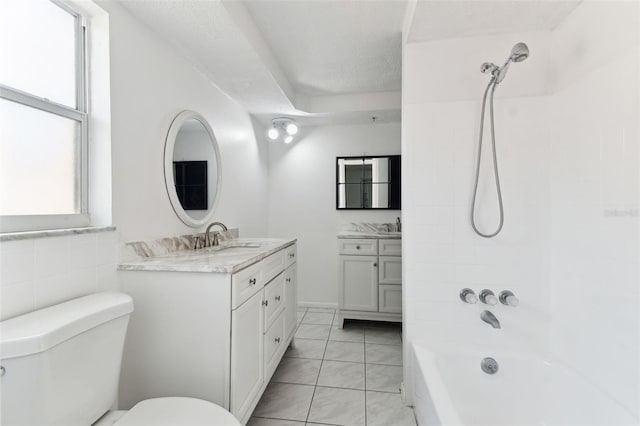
<point>383,336</point>
<point>306,348</point>
<point>313,331</point>
<point>341,374</point>
<point>285,401</point>
<point>261,421</point>
<point>384,409</point>
<point>383,354</point>
<point>338,407</point>
<point>347,334</point>
<point>297,370</point>
<point>321,318</point>
<point>344,351</point>
<point>384,378</point>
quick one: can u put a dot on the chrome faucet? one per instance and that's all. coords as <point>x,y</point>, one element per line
<point>207,238</point>
<point>490,319</point>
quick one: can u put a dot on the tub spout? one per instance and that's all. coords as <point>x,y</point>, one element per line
<point>490,319</point>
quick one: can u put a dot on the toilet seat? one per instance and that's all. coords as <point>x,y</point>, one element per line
<point>177,411</point>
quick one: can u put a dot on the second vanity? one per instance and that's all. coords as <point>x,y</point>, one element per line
<point>370,275</point>
<point>210,324</point>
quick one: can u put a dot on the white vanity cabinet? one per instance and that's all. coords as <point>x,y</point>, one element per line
<point>214,336</point>
<point>370,279</point>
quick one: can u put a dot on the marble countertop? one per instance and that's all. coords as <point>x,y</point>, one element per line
<point>230,257</point>
<point>377,235</point>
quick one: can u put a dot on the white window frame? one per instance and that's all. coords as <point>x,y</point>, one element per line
<point>16,223</point>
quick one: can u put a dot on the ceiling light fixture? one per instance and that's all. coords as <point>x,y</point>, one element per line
<point>273,133</point>
<point>283,126</point>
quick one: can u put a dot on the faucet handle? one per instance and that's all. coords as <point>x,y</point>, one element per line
<point>468,296</point>
<point>488,297</point>
<point>508,298</point>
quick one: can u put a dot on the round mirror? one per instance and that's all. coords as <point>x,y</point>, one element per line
<point>192,168</point>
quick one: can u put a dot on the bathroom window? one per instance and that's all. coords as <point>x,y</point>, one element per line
<point>43,109</point>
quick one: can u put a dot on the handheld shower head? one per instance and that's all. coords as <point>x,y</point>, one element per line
<point>519,52</point>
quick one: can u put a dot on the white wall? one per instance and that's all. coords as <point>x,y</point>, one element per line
<point>569,160</point>
<point>302,198</point>
<point>595,169</point>
<point>150,84</point>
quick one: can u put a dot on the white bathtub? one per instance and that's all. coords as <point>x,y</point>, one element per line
<point>451,389</point>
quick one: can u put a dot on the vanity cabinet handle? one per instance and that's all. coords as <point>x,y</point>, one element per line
<point>357,247</point>
<point>288,280</point>
<point>291,255</point>
<point>375,264</point>
<point>278,298</point>
<point>277,340</point>
<point>265,302</point>
<point>252,281</point>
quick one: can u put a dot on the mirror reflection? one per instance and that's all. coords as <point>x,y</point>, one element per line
<point>194,169</point>
<point>368,183</point>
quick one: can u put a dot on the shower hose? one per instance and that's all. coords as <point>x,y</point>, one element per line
<point>492,85</point>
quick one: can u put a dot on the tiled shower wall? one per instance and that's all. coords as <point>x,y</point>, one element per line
<point>40,272</point>
<point>442,254</point>
<point>567,134</point>
<point>595,171</point>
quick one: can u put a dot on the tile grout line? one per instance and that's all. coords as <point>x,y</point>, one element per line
<point>319,371</point>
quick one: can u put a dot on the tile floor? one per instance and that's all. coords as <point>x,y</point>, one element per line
<point>333,376</point>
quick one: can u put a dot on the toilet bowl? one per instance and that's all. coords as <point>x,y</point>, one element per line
<point>69,355</point>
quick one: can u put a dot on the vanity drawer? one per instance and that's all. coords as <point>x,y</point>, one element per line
<point>390,247</point>
<point>274,340</point>
<point>245,284</point>
<point>357,247</point>
<point>390,298</point>
<point>390,270</point>
<point>273,265</point>
<point>274,300</point>
<point>291,254</point>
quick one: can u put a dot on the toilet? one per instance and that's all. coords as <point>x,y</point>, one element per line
<point>61,366</point>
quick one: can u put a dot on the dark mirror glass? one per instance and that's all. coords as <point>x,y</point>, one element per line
<point>368,183</point>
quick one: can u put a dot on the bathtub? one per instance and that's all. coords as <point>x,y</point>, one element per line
<point>451,389</point>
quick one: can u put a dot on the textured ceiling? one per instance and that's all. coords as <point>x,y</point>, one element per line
<point>433,20</point>
<point>205,32</point>
<point>334,47</point>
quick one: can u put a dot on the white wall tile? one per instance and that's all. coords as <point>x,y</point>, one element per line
<point>17,261</point>
<point>37,273</point>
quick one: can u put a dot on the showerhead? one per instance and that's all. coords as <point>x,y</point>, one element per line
<point>519,52</point>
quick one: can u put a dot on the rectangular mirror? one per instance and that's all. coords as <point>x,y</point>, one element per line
<point>364,183</point>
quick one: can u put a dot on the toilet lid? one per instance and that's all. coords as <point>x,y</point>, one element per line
<point>177,411</point>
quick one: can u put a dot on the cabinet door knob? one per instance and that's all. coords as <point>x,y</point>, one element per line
<point>357,247</point>
<point>277,340</point>
<point>288,280</point>
<point>278,298</point>
<point>291,255</point>
<point>375,264</point>
<point>265,302</point>
<point>252,281</point>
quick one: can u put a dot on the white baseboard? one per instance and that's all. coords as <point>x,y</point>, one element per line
<point>318,305</point>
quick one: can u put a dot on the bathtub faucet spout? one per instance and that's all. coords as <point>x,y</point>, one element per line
<point>490,319</point>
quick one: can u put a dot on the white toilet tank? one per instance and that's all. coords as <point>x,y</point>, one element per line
<point>61,364</point>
